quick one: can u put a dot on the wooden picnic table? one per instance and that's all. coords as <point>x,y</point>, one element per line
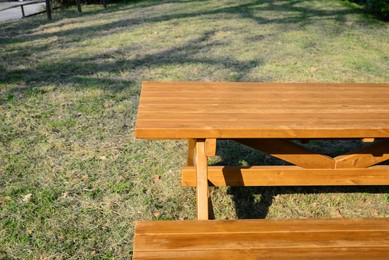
<point>267,117</point>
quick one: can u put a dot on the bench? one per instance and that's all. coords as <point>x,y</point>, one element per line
<point>253,239</point>
<point>269,117</point>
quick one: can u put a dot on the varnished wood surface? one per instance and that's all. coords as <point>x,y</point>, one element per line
<point>190,161</point>
<point>249,239</point>
<point>291,152</point>
<point>364,157</point>
<point>174,110</point>
<point>202,192</point>
<point>288,176</point>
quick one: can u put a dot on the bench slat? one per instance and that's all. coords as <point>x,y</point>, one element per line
<point>244,238</point>
<point>271,253</point>
<point>263,225</point>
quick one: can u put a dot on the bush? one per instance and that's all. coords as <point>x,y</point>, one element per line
<point>378,7</point>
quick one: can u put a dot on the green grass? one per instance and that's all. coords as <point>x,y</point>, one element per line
<point>69,91</point>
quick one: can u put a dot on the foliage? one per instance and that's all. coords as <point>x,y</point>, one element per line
<point>378,7</point>
<point>69,3</point>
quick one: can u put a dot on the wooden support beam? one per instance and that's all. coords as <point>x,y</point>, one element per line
<point>201,176</point>
<point>291,152</point>
<point>191,152</point>
<point>210,147</point>
<point>364,157</point>
<point>288,176</point>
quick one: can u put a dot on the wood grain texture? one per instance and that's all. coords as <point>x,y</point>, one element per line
<point>341,253</point>
<point>175,110</point>
<point>190,160</point>
<point>234,239</point>
<point>210,147</point>
<point>288,176</point>
<point>291,152</point>
<point>365,157</point>
<point>202,192</point>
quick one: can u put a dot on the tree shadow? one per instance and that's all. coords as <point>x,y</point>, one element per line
<point>81,70</point>
<point>22,68</point>
<point>76,68</point>
<point>247,204</point>
<point>253,11</point>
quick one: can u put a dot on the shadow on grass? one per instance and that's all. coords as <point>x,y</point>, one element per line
<point>73,69</point>
<point>247,205</point>
<point>78,70</point>
<point>302,16</point>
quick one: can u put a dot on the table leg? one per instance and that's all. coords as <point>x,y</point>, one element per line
<point>202,192</point>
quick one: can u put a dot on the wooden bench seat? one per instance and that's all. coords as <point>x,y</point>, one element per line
<point>252,239</point>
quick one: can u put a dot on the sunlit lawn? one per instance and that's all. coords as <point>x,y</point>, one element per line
<point>72,178</point>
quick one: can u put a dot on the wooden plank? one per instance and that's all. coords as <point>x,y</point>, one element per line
<point>270,238</point>
<point>285,102</point>
<point>257,109</point>
<point>264,100</point>
<point>201,181</point>
<point>365,157</point>
<point>247,130</point>
<point>262,225</point>
<point>264,92</point>
<point>240,86</point>
<point>282,129</point>
<point>341,253</point>
<point>210,147</point>
<point>309,126</point>
<point>291,152</point>
<point>263,117</point>
<point>257,94</point>
<point>288,176</point>
<point>237,240</point>
<point>190,161</point>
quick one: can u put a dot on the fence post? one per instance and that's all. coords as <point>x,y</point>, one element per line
<point>23,14</point>
<point>78,3</point>
<point>48,10</point>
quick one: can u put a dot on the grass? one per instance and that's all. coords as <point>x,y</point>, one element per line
<point>74,179</point>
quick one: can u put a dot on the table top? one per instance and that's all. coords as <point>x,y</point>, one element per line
<point>183,110</point>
